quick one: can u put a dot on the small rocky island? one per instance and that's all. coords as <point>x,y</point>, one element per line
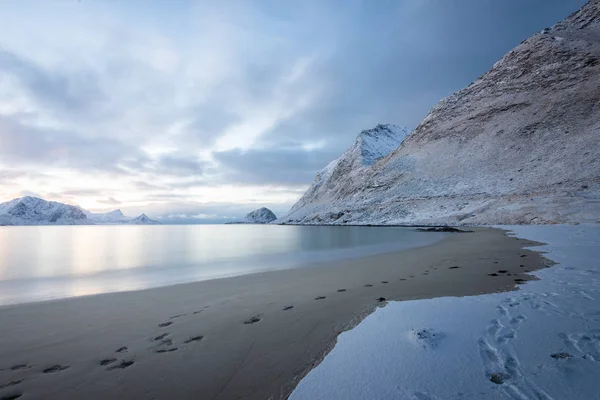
<point>260,216</point>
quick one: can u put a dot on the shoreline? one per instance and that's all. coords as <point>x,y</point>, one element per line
<point>318,258</point>
<point>250,336</point>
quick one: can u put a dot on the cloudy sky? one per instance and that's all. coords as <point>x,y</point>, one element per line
<point>204,110</point>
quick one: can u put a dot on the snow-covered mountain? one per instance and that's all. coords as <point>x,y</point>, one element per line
<point>111,217</point>
<point>369,146</point>
<point>521,144</point>
<point>35,211</point>
<point>261,216</point>
<point>143,219</point>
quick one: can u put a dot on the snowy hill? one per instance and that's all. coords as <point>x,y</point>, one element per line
<point>34,211</point>
<point>369,146</point>
<point>112,217</point>
<point>143,219</point>
<point>519,145</point>
<point>261,216</point>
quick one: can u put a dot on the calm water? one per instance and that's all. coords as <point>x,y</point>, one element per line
<point>49,262</point>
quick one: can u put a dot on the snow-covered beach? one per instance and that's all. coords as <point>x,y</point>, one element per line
<point>541,342</point>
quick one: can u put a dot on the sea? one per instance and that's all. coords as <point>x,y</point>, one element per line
<point>39,263</point>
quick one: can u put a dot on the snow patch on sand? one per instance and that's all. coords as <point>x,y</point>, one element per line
<point>541,342</point>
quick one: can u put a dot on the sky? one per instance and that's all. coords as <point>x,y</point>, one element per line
<point>202,111</point>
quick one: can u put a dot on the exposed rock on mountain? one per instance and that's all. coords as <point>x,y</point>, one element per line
<point>369,146</point>
<point>143,219</point>
<point>34,211</point>
<point>521,144</point>
<point>261,216</point>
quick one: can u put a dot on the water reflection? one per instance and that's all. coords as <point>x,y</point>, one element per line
<point>62,261</point>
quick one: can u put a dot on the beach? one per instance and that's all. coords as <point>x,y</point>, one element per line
<point>247,337</point>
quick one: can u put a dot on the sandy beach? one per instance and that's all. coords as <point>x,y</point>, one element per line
<point>247,337</point>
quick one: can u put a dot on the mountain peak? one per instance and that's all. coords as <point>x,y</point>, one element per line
<point>260,216</point>
<point>378,142</point>
<point>370,145</point>
<point>518,145</point>
<point>29,210</point>
<point>143,219</point>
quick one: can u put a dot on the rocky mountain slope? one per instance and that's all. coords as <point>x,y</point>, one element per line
<point>521,144</point>
<point>261,216</point>
<point>35,211</point>
<point>369,146</point>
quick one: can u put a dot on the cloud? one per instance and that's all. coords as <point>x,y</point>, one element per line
<point>180,164</point>
<point>282,165</point>
<point>209,108</point>
<point>30,145</point>
<point>73,91</point>
<point>110,201</point>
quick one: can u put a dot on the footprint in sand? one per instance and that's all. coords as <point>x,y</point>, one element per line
<point>122,365</point>
<point>454,267</point>
<point>55,368</point>
<point>202,309</point>
<point>368,285</point>
<point>341,290</point>
<point>169,350</point>
<point>178,316</point>
<point>502,271</point>
<point>493,274</point>
<point>11,383</point>
<point>252,320</point>
<point>165,324</point>
<point>107,361</point>
<point>402,279</point>
<point>194,339</point>
<point>320,297</point>
<point>11,396</point>
<point>384,281</point>
<point>20,366</point>
<point>166,342</point>
<point>121,350</point>
<point>287,308</point>
<point>160,337</point>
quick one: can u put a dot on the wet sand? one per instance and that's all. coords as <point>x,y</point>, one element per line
<point>247,337</point>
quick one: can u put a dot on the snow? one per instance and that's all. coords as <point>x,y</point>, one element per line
<point>261,216</point>
<point>369,146</point>
<point>111,217</point>
<point>482,156</point>
<point>542,341</point>
<point>35,211</point>
<point>378,142</point>
<point>143,219</point>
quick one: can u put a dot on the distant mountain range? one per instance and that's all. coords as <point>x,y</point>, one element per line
<point>35,211</point>
<point>520,145</point>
